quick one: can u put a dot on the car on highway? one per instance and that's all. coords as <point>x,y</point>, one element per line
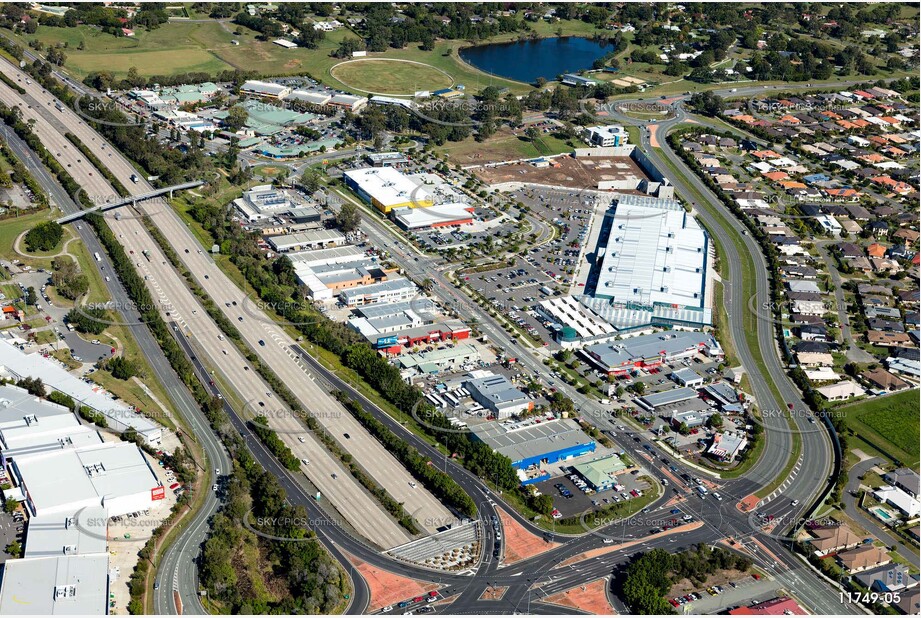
<point>306,462</point>
<point>214,487</point>
<point>794,503</point>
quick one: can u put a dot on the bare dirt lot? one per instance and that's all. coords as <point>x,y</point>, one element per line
<point>566,171</point>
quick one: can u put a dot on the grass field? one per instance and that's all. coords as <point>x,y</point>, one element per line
<point>172,48</point>
<point>179,47</point>
<point>503,146</point>
<point>890,425</point>
<point>389,76</point>
<point>269,171</point>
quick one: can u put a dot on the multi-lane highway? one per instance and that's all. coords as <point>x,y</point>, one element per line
<point>179,305</point>
<point>269,341</point>
<point>279,351</point>
<point>195,529</point>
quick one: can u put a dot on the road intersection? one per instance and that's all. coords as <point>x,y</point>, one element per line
<point>721,520</point>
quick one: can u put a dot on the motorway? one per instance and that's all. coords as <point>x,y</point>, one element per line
<point>185,548</point>
<point>177,303</point>
<point>789,571</point>
<point>272,344</point>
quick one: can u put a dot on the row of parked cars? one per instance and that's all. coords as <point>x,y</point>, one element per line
<point>696,596</point>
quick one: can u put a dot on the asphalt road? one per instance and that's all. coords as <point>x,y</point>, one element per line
<point>788,570</point>
<point>260,333</point>
<point>187,544</point>
<point>722,519</point>
<point>818,459</point>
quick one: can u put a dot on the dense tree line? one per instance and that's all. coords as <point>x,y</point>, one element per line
<point>122,368</point>
<point>91,320</point>
<point>313,583</point>
<point>21,175</point>
<point>103,169</point>
<point>649,576</point>
<point>102,80</point>
<point>260,427</point>
<point>170,165</point>
<point>12,117</point>
<point>34,386</point>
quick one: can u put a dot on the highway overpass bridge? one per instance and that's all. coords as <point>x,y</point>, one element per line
<point>133,200</point>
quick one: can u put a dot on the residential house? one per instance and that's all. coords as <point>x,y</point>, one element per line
<point>883,380</point>
<point>863,558</point>
<point>833,539</point>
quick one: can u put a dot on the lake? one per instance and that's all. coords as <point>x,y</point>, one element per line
<point>525,61</point>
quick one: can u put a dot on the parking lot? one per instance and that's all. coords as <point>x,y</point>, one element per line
<point>569,497</point>
<point>12,528</point>
<point>741,590</point>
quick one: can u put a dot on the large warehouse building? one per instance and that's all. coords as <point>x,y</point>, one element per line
<point>76,585</point>
<point>621,357</point>
<point>119,416</point>
<point>653,268</point>
<point>535,441</point>
<point>113,475</point>
<point>498,395</point>
<point>386,188</point>
<point>442,215</point>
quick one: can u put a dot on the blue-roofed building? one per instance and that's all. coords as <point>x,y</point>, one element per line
<point>815,178</point>
<point>536,441</point>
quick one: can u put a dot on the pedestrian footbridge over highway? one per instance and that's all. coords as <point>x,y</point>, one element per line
<point>133,200</point>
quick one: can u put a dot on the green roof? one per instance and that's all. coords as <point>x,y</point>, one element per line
<point>600,472</point>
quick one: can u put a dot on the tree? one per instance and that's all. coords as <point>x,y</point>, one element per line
<point>532,134</point>
<point>67,278</point>
<point>10,505</point>
<point>31,296</point>
<point>122,368</point>
<point>236,118</point>
<point>310,180</point>
<point>14,549</point>
<point>683,429</point>
<point>349,217</point>
<point>91,320</point>
<point>707,103</point>
<point>44,236</point>
<point>560,403</point>
<point>34,386</point>
<point>638,387</point>
<point>715,421</point>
